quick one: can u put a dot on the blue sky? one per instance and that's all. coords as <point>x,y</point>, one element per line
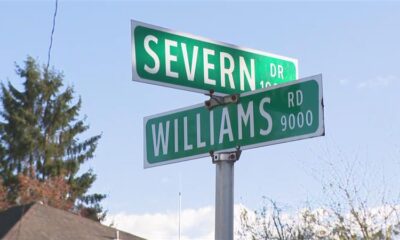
<point>354,45</point>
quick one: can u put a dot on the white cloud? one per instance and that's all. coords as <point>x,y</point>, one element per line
<point>196,224</point>
<point>378,82</point>
<point>151,226</point>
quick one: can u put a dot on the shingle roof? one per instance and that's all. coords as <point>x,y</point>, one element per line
<point>41,222</point>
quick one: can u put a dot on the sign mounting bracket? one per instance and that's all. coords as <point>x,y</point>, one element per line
<point>215,101</point>
<point>226,156</point>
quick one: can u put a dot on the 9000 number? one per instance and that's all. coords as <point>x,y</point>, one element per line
<point>296,121</point>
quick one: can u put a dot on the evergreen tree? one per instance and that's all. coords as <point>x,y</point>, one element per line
<point>39,138</point>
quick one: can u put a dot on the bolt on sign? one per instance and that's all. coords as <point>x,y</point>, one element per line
<point>179,60</point>
<point>282,113</point>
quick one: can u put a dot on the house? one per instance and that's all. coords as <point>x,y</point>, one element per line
<point>41,222</point>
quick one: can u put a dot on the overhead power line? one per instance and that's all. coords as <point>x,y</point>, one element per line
<point>51,36</point>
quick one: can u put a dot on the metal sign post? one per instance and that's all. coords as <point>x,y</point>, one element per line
<point>224,190</point>
<point>224,178</point>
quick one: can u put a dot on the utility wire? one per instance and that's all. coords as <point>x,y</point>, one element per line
<point>51,36</point>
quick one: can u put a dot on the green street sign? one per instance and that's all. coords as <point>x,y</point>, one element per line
<point>178,60</point>
<point>282,113</point>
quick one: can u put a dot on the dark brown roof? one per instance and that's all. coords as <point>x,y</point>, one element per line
<point>41,222</point>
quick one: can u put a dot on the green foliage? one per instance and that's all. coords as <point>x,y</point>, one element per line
<point>89,206</point>
<point>39,134</point>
